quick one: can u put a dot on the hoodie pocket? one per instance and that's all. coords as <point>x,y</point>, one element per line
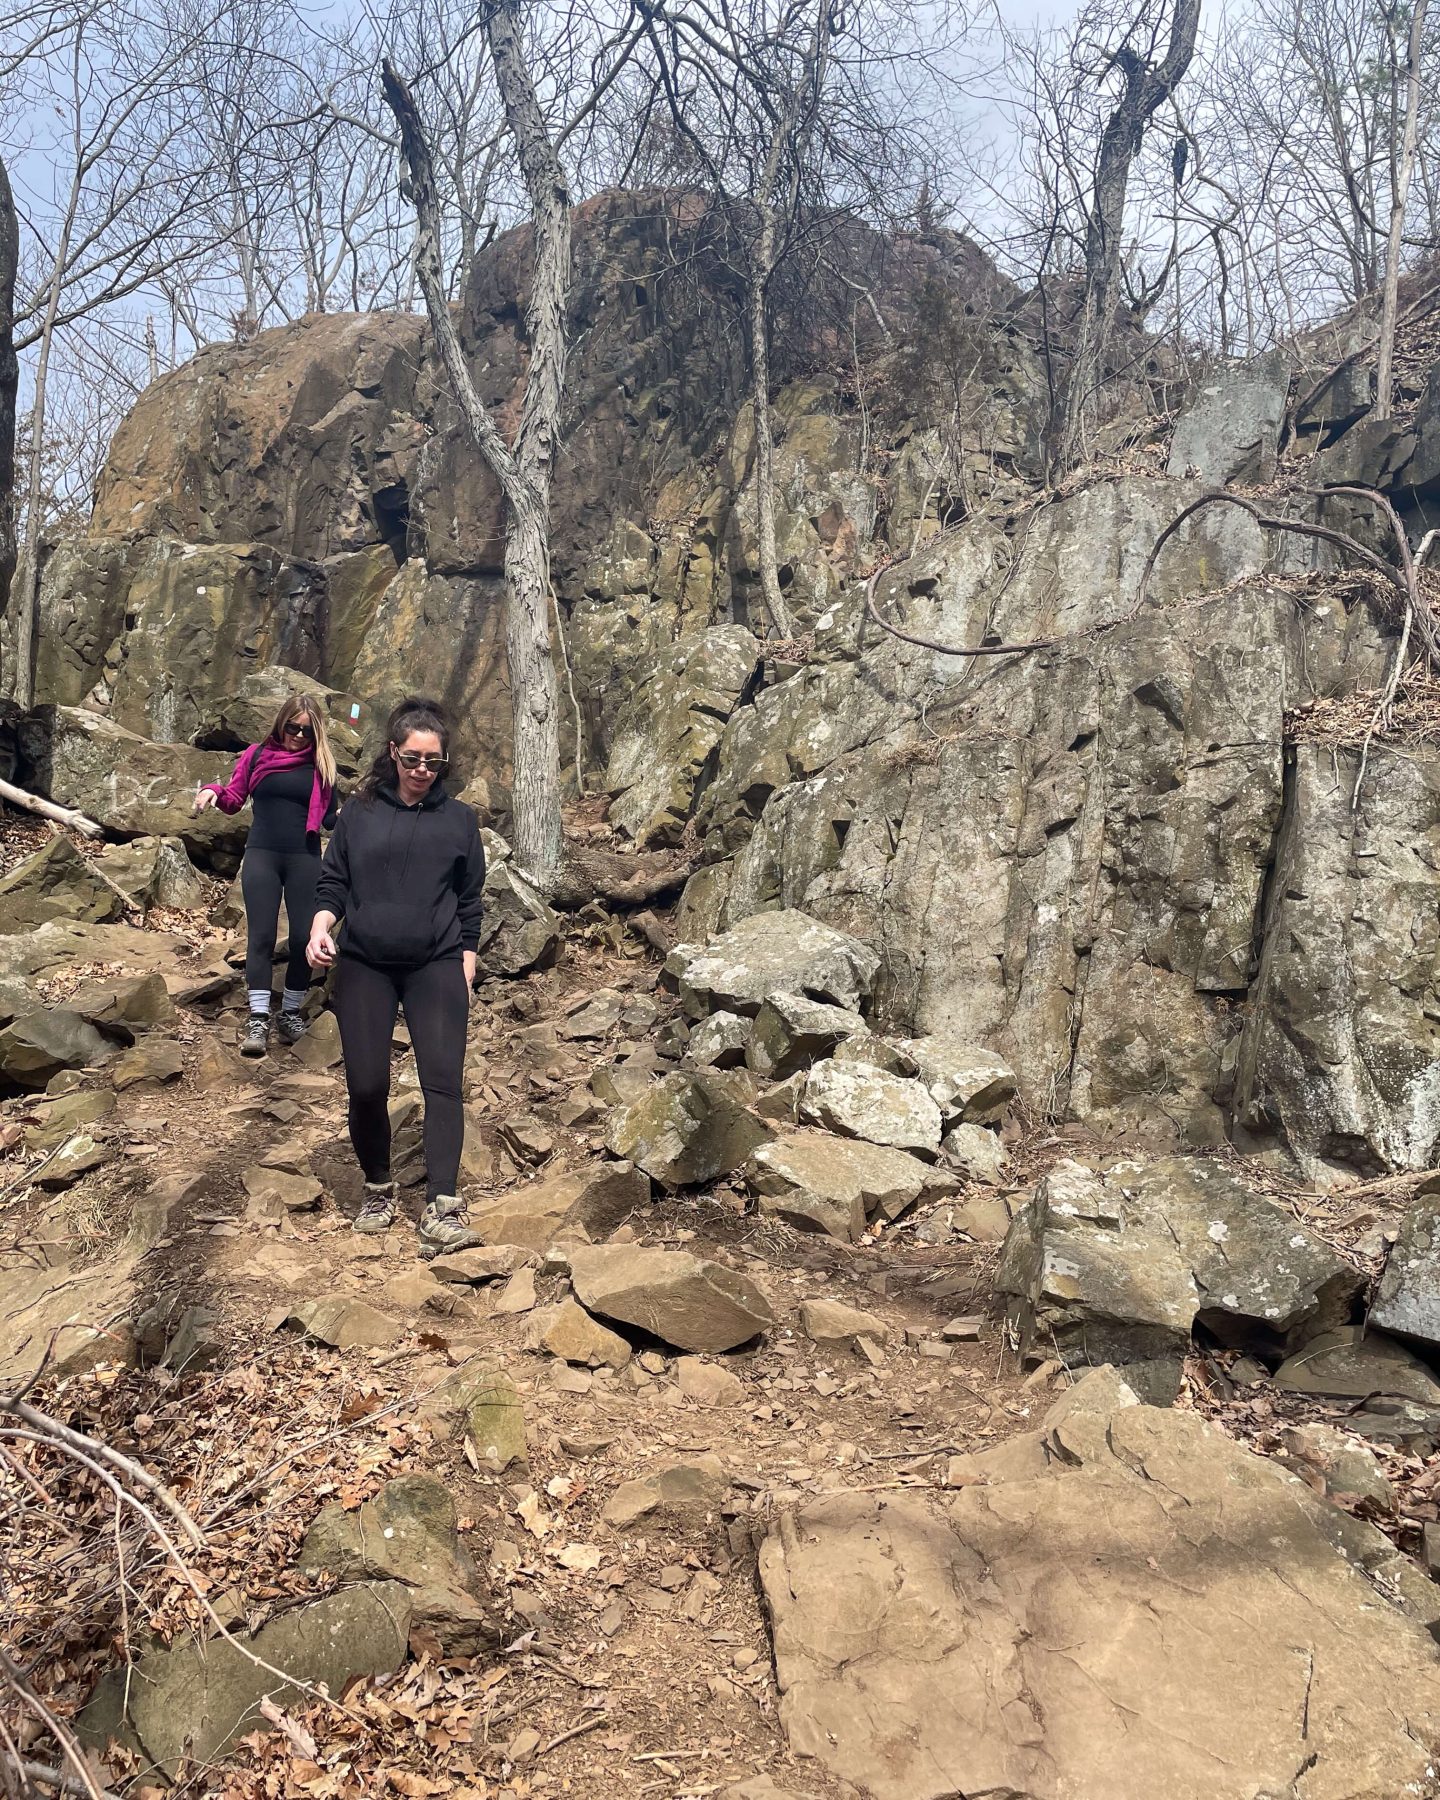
<point>393,932</point>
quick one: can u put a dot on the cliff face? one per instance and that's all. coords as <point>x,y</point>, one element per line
<point>1111,860</point>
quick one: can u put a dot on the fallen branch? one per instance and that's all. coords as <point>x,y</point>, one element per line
<point>47,809</point>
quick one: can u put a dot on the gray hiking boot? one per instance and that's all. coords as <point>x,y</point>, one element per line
<point>290,1028</point>
<point>256,1035</point>
<point>445,1226</point>
<point>377,1213</point>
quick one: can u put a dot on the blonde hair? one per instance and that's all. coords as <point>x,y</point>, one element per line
<point>294,704</point>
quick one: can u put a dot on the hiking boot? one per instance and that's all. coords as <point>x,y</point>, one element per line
<point>256,1035</point>
<point>290,1028</point>
<point>377,1213</point>
<point>445,1226</point>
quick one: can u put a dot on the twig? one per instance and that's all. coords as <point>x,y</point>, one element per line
<point>600,1718</point>
<point>62,1783</point>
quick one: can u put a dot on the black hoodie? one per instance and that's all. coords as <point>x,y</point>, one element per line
<point>405,879</point>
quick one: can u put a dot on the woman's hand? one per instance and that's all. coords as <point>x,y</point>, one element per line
<point>320,951</point>
<point>468,958</point>
<point>205,797</point>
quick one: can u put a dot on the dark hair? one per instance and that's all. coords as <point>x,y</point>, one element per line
<point>414,713</point>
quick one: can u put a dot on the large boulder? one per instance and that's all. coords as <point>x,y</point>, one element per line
<point>681,1299</point>
<point>153,871</point>
<point>1230,432</point>
<point>817,1182</point>
<point>57,882</point>
<point>669,727</point>
<point>968,1084</point>
<point>1119,1267</point>
<point>130,785</point>
<point>1127,1604</point>
<point>689,1127</point>
<point>771,953</point>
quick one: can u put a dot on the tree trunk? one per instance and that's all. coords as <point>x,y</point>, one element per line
<point>765,445</point>
<point>532,687</point>
<point>9,381</point>
<point>1401,170</point>
<point>1147,88</point>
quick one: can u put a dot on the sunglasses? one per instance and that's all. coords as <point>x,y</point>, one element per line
<point>300,731</point>
<point>412,759</point>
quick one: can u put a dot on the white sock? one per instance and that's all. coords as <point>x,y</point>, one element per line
<point>259,1001</point>
<point>292,999</point>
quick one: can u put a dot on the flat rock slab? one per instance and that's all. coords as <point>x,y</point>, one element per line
<point>679,1298</point>
<point>1408,1301</point>
<point>1352,1363</point>
<point>568,1331</point>
<point>1155,1611</point>
<point>770,953</point>
<point>1118,1267</point>
<point>683,1489</point>
<point>345,1324</point>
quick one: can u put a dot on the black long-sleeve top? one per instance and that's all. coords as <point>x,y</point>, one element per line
<point>405,879</point>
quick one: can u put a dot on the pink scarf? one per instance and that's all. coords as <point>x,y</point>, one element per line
<point>264,759</point>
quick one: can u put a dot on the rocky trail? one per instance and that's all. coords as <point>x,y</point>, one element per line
<point>744,1459</point>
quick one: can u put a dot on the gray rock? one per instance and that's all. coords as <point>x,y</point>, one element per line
<point>520,931</point>
<point>57,882</point>
<point>688,1128</point>
<point>792,1032</point>
<point>1230,432</point>
<point>977,1153</point>
<point>1408,1300</point>
<point>1352,1363</point>
<point>681,1299</point>
<point>909,1638</point>
<point>344,1323</point>
<point>1118,1267</point>
<point>668,727</point>
<point>771,953</point>
<point>719,1041</point>
<point>37,1045</point>
<point>194,1700</point>
<point>150,1063</point>
<point>966,1083</point>
<point>153,871</point>
<point>862,1102</point>
<point>407,1534</point>
<point>818,1182</point>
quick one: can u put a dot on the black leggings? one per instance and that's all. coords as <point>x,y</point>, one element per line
<point>264,876</point>
<point>437,1009</point>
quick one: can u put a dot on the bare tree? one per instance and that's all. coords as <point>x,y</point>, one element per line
<point>9,379</point>
<point>1147,79</point>
<point>524,469</point>
<point>1402,168</point>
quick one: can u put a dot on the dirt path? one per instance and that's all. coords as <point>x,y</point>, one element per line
<point>636,1657</point>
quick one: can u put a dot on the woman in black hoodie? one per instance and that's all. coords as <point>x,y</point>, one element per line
<point>404,871</point>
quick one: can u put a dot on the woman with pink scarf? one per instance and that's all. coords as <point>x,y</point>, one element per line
<point>289,780</point>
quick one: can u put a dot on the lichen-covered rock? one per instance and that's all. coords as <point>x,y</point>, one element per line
<point>682,1299</point>
<point>966,1083</point>
<point>407,1533</point>
<point>1408,1300</point>
<point>668,728</point>
<point>771,953</point>
<point>519,931</point>
<point>818,1182</point>
<point>975,1152</point>
<point>719,1041</point>
<point>1118,1267</point>
<point>1230,431</point>
<point>862,1102</point>
<point>791,1032</point>
<point>688,1127</point>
